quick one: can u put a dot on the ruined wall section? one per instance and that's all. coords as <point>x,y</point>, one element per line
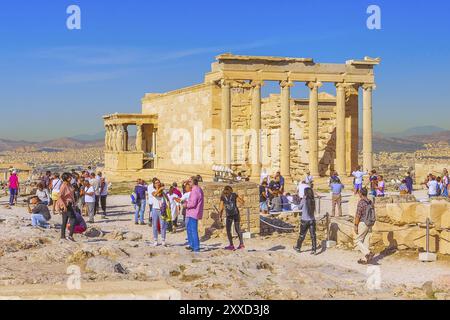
<point>183,117</point>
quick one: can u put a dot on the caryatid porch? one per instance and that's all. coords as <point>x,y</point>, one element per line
<point>120,153</point>
<point>254,70</point>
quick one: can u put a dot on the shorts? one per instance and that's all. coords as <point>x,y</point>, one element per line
<point>55,195</point>
<point>263,206</point>
<point>358,186</point>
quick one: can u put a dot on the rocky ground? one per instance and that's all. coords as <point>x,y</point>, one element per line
<point>116,249</point>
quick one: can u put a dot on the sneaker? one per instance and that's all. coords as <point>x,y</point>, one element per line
<point>142,223</point>
<point>163,243</point>
<point>104,217</point>
<point>188,248</point>
<point>70,239</point>
<point>241,246</point>
<point>231,248</point>
<point>155,244</point>
<point>136,222</point>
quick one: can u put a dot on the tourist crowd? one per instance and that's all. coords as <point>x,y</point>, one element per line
<point>169,207</point>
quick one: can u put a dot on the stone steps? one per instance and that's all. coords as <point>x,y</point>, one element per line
<point>123,290</point>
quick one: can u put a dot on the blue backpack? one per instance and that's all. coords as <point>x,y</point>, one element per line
<point>133,198</point>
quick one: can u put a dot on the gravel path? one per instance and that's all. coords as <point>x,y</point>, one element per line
<point>267,269</point>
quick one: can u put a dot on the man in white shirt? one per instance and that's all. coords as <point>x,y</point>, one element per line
<point>432,187</point>
<point>89,199</point>
<point>358,175</point>
<point>95,183</point>
<point>301,188</point>
<point>150,190</point>
<point>104,188</point>
<point>309,179</point>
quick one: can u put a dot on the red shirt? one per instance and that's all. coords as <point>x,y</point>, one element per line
<point>14,181</point>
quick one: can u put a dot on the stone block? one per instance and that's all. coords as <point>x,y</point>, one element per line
<point>444,242</point>
<point>440,214</point>
<point>406,213</point>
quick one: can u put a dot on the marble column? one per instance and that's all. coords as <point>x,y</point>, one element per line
<point>341,159</point>
<point>139,138</point>
<point>226,121</point>
<point>367,127</point>
<point>314,127</point>
<point>285,128</point>
<point>256,128</point>
<point>125,137</point>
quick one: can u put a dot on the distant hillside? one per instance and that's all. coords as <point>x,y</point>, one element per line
<point>90,137</point>
<point>441,136</point>
<point>63,143</point>
<point>69,143</point>
<point>392,144</point>
<point>416,131</point>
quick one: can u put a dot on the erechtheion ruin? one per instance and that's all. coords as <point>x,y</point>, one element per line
<point>225,121</point>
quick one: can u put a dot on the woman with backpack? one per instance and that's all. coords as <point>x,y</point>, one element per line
<point>66,205</point>
<point>228,203</point>
<point>308,220</point>
<point>160,212</point>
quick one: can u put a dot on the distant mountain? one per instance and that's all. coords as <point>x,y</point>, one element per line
<point>69,143</point>
<point>90,137</point>
<point>416,131</point>
<point>441,136</point>
<point>63,143</point>
<point>382,143</point>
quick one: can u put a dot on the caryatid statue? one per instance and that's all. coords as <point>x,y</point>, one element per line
<point>120,136</point>
<point>139,138</point>
<point>107,136</point>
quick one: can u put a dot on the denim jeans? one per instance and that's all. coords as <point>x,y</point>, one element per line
<point>192,233</point>
<point>38,220</point>
<point>12,195</point>
<point>156,216</point>
<point>140,211</point>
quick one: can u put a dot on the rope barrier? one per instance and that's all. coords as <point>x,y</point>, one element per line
<point>276,227</point>
<point>282,228</point>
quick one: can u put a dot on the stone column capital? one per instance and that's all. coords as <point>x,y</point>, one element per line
<point>225,83</point>
<point>314,84</point>
<point>286,84</point>
<point>257,83</point>
<point>369,86</point>
<point>343,85</point>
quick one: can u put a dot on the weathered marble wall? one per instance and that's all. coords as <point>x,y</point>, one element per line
<point>183,116</point>
<point>210,223</point>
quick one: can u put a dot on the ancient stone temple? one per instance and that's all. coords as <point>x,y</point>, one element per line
<point>225,121</point>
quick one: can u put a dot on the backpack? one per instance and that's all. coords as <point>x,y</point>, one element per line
<point>230,205</point>
<point>370,216</point>
<point>133,198</point>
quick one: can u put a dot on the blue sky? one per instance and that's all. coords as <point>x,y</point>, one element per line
<point>55,82</point>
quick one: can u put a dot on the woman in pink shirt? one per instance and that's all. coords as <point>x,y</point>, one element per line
<point>194,211</point>
<point>13,188</point>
